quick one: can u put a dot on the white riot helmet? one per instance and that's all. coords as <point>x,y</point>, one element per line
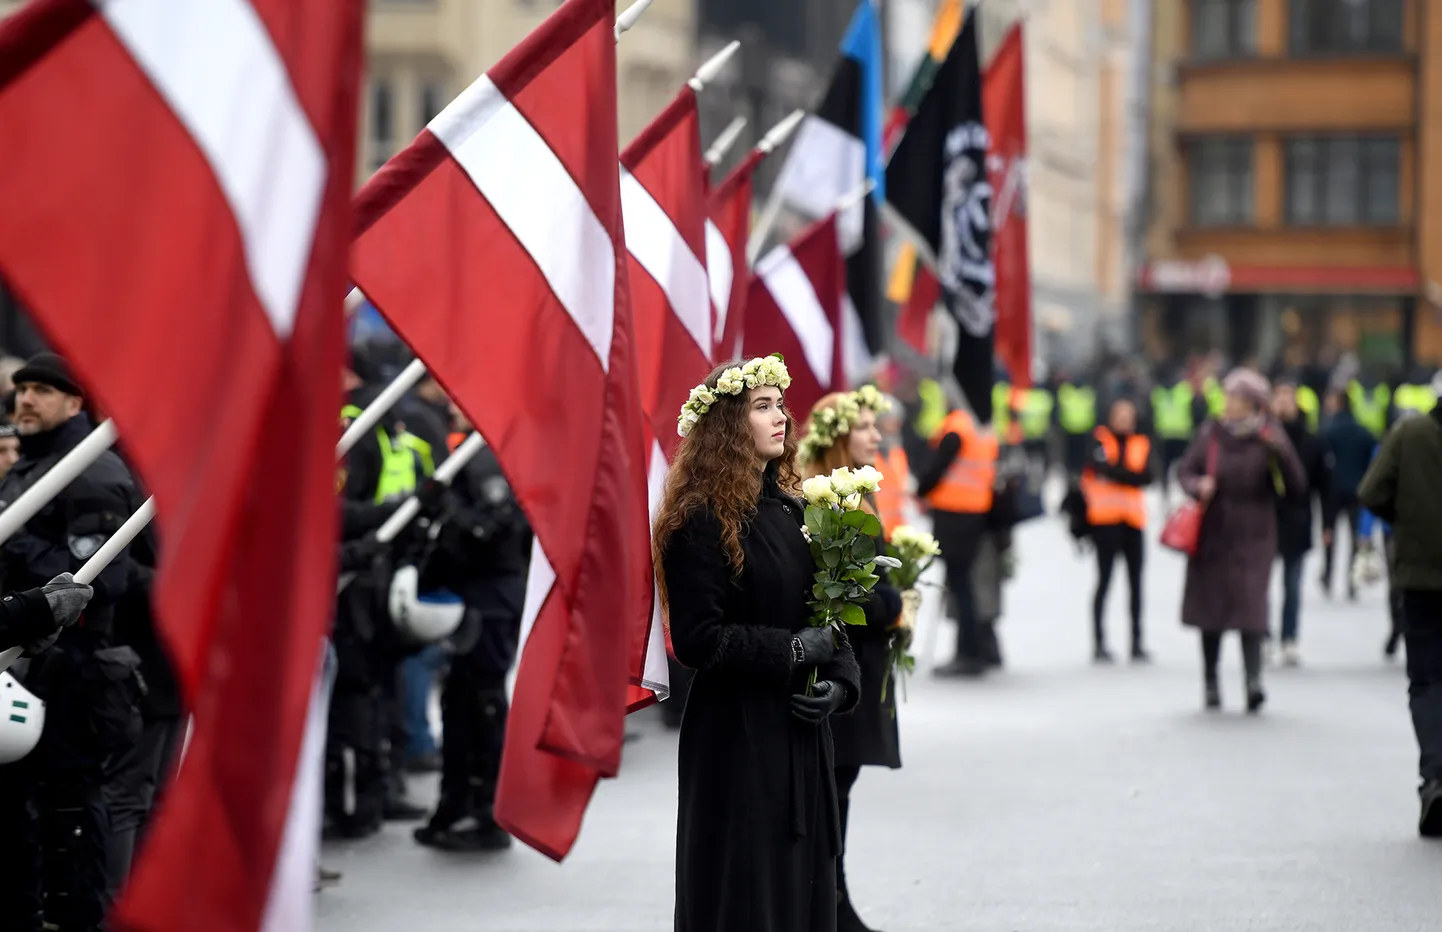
<point>423,617</point>
<point>22,719</point>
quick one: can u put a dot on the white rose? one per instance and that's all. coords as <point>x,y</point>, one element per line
<point>843,482</point>
<point>868,479</point>
<point>817,491</point>
<point>852,502</point>
<point>704,395</point>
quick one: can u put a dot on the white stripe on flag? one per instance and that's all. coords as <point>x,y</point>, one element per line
<point>536,197</point>
<point>854,350</point>
<point>721,274</point>
<point>657,245</point>
<point>290,907</point>
<point>792,290</point>
<point>825,164</point>
<point>657,674</point>
<point>215,65</point>
<point>540,578</point>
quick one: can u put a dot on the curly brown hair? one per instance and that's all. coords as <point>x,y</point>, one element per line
<point>715,470</point>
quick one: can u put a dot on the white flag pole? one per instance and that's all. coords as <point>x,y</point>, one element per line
<point>118,541</point>
<point>774,201</point>
<point>64,472</point>
<point>628,19</point>
<point>725,141</point>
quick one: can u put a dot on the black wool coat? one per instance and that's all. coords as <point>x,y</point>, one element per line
<point>757,828</point>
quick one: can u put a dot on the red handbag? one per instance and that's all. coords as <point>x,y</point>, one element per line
<point>1183,529</point>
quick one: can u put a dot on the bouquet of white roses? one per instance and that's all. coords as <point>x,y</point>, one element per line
<point>914,551</point>
<point>842,541</point>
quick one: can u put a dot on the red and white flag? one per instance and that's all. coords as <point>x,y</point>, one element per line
<point>794,308</point>
<point>493,245</point>
<point>726,233</point>
<point>1004,105</point>
<point>663,201</point>
<point>175,179</point>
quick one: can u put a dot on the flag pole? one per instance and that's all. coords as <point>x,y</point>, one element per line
<point>772,211</point>
<point>725,141</point>
<point>64,472</point>
<point>628,19</point>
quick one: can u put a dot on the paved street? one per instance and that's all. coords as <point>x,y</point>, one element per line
<point>1053,797</point>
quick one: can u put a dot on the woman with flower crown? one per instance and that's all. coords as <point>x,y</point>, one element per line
<point>842,432</point>
<point>757,830</point>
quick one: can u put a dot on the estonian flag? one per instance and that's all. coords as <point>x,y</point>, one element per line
<point>837,149</point>
<point>940,196</point>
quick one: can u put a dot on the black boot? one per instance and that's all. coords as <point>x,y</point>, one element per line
<point>1101,655</point>
<point>968,667</point>
<point>1213,695</point>
<point>1430,824</point>
<point>990,647</point>
<point>1252,664</point>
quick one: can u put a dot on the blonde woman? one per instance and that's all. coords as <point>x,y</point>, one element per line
<point>756,824</point>
<point>842,431</point>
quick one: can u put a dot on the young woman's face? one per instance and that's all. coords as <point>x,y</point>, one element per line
<point>768,421</point>
<point>865,440</point>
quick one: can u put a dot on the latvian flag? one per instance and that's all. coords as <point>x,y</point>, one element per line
<point>493,245</point>
<point>837,149</point>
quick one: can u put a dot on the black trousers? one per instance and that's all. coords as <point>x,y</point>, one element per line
<point>474,707</point>
<point>1347,507</point>
<point>1127,542</point>
<point>1422,611</point>
<point>960,538</point>
<point>52,853</point>
<point>1172,451</point>
<point>133,783</point>
<point>1251,655</point>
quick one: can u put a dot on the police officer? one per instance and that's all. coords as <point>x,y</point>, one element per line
<point>54,859</point>
<point>483,554</point>
<point>32,619</point>
<point>362,788</point>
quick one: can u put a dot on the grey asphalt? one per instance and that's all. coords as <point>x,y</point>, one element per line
<point>1052,797</point>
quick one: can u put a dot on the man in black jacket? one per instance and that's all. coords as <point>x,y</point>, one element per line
<point>33,618</point>
<point>53,798</point>
<point>1295,513</point>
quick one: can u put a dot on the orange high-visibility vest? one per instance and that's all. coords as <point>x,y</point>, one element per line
<point>454,439</point>
<point>1111,503</point>
<point>970,480</point>
<point>892,494</point>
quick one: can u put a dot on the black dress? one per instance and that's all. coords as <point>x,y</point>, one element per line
<point>757,830</point>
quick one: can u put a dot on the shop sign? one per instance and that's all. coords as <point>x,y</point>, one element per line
<point>1209,276</point>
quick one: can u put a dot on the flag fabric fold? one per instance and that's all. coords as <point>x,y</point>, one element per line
<point>194,277</point>
<point>794,307</point>
<point>838,148</point>
<point>939,194</point>
<point>494,246</point>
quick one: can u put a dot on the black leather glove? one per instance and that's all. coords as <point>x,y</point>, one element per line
<point>812,647</point>
<point>434,498</point>
<point>826,697</point>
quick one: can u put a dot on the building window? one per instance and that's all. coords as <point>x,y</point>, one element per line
<point>1224,28</point>
<point>1220,173</point>
<point>1343,180</point>
<point>382,122</point>
<point>1322,27</point>
<point>433,99</point>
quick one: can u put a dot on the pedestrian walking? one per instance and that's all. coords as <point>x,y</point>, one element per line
<point>758,822</point>
<point>1352,446</point>
<point>1403,487</point>
<point>842,432</point>
<point>1118,470</point>
<point>1237,468</point>
<point>1295,512</point>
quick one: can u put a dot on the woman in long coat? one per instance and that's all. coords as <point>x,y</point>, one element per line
<point>758,831</point>
<point>1237,467</point>
<point>842,432</point>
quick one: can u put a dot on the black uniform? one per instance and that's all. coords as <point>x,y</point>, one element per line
<point>483,554</point>
<point>24,619</point>
<point>52,813</point>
